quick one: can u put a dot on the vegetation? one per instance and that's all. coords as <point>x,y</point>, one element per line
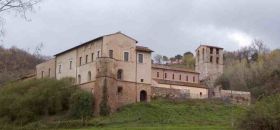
<point>157,115</point>
<point>34,100</point>
<point>264,115</point>
<point>15,63</point>
<point>166,114</point>
<point>253,69</point>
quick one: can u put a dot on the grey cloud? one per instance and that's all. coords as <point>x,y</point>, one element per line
<point>167,27</point>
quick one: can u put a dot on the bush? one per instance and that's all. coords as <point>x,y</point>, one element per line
<point>81,104</point>
<point>27,101</point>
<point>264,115</point>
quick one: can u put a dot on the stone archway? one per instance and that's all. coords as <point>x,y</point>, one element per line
<point>143,96</point>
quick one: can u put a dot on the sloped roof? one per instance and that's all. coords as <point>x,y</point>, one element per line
<point>96,39</point>
<point>209,46</point>
<point>166,67</point>
<point>144,49</point>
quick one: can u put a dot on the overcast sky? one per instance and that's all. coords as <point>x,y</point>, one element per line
<point>168,27</point>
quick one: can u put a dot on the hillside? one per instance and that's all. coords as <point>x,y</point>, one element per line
<point>15,62</point>
<point>168,115</point>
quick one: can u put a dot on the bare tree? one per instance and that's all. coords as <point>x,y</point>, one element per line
<point>158,59</point>
<point>20,7</point>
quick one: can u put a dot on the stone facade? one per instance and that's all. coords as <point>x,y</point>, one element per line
<point>115,66</point>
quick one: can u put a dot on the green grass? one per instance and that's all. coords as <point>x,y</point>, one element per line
<point>157,115</point>
<point>167,115</point>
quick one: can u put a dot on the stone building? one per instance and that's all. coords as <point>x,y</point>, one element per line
<point>115,66</point>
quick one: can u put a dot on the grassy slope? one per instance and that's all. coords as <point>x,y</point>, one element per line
<point>166,115</point>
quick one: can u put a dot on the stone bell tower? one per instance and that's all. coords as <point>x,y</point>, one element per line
<point>209,63</point>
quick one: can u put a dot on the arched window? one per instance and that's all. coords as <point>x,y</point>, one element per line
<point>89,76</point>
<point>79,79</point>
<point>120,74</point>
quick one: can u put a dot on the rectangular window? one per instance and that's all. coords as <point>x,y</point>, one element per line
<point>180,77</point>
<point>140,58</point>
<point>98,54</point>
<point>80,61</point>
<point>157,74</point>
<point>165,75</point>
<point>187,78</point>
<point>86,58</point>
<point>126,56</point>
<point>42,74</point>
<point>142,80</point>
<point>111,53</point>
<point>92,57</point>
<point>193,78</point>
<point>217,60</point>
<point>217,51</point>
<point>59,69</point>
<point>70,65</point>
<point>49,72</point>
<point>173,76</point>
<point>211,50</point>
<point>211,58</point>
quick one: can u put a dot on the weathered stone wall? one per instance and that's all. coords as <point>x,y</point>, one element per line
<point>204,66</point>
<point>46,69</point>
<point>237,97</point>
<point>170,93</point>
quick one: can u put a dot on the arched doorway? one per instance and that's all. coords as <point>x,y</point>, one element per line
<point>143,96</point>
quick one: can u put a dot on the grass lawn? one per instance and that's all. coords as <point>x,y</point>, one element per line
<point>168,115</point>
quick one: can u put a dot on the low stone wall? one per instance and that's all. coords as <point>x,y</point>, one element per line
<point>170,93</point>
<point>236,97</point>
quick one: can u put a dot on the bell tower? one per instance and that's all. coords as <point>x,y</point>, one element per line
<point>209,63</point>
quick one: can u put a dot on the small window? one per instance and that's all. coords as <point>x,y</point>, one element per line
<point>111,53</point>
<point>98,54</point>
<point>213,93</point>
<point>173,76</point>
<point>49,72</point>
<point>126,56</point>
<point>200,94</point>
<point>42,74</point>
<point>142,80</point>
<point>211,59</point>
<point>80,61</point>
<point>165,75</point>
<point>211,50</point>
<point>217,52</point>
<point>79,79</point>
<point>120,90</point>
<point>59,69</point>
<point>70,65</point>
<point>217,60</point>
<point>120,74</point>
<point>203,54</point>
<point>89,76</point>
<point>187,78</point>
<point>193,78</point>
<point>86,58</point>
<point>92,57</point>
<point>180,77</point>
<point>140,58</point>
<point>157,74</point>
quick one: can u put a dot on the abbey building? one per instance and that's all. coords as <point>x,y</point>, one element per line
<point>116,64</point>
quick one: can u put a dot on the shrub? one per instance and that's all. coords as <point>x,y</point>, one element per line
<point>81,104</point>
<point>264,115</point>
<point>27,101</point>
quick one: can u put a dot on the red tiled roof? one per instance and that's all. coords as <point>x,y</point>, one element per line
<point>144,49</point>
<point>166,67</point>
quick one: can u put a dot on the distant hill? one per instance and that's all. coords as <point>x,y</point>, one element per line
<point>15,62</point>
